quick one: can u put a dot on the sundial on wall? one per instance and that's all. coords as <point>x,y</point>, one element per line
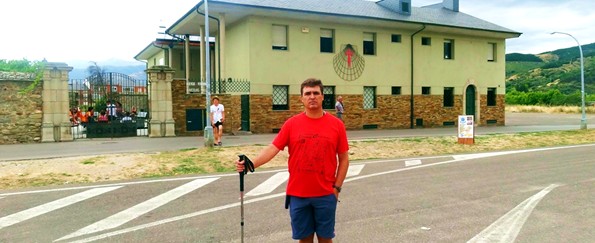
<point>348,64</point>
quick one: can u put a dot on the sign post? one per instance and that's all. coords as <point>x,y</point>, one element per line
<point>466,132</point>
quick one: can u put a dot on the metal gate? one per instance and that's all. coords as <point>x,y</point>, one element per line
<point>108,105</point>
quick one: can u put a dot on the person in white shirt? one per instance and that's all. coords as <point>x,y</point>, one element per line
<point>217,118</point>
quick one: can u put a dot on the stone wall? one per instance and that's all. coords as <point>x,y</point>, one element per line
<point>391,112</point>
<point>20,114</point>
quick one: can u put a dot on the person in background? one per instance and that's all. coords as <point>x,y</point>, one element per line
<point>90,114</point>
<point>126,117</point>
<point>102,117</point>
<point>111,110</point>
<point>339,108</point>
<point>217,118</point>
<point>318,164</point>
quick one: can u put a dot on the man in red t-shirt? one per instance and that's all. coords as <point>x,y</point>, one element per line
<point>318,164</point>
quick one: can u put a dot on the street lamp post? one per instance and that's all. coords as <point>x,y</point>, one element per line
<point>584,116</point>
<point>209,139</point>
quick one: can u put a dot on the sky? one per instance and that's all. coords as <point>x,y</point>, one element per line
<point>83,30</point>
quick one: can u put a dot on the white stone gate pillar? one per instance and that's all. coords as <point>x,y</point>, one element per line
<point>161,123</point>
<point>55,125</point>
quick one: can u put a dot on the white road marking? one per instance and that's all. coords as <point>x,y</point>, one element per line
<point>269,185</point>
<point>51,206</point>
<point>507,227</point>
<point>177,218</point>
<point>355,170</point>
<point>412,162</point>
<point>131,213</point>
<point>182,217</point>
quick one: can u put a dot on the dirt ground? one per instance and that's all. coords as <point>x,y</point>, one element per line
<point>113,167</point>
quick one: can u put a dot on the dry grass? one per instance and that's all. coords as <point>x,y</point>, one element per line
<point>19,174</point>
<point>549,109</point>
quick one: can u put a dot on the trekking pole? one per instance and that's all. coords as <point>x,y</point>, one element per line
<point>248,166</point>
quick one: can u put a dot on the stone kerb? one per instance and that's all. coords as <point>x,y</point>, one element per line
<point>161,123</point>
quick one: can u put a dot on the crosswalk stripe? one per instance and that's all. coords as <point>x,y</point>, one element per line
<point>355,170</point>
<point>270,184</point>
<point>51,206</point>
<point>412,162</point>
<point>131,213</point>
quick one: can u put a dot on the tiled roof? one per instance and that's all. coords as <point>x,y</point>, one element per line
<point>434,14</point>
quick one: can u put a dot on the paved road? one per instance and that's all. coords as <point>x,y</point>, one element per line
<point>516,122</point>
<point>540,195</point>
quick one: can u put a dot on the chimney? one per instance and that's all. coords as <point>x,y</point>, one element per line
<point>453,5</point>
<point>399,6</point>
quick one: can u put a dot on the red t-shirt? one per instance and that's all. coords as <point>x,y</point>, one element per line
<point>313,147</point>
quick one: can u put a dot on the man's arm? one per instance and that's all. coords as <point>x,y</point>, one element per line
<point>265,156</point>
<point>342,168</point>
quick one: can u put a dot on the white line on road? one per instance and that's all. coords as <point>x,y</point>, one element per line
<point>269,185</point>
<point>412,162</point>
<point>507,227</point>
<point>129,214</point>
<point>355,170</point>
<point>211,210</point>
<point>51,206</point>
<point>177,218</point>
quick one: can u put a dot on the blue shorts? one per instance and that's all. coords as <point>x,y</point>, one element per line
<point>314,214</point>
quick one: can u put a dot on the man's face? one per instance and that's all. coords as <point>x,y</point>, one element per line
<point>312,98</point>
<point>215,101</point>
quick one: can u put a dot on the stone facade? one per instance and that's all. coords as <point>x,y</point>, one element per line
<point>391,112</point>
<point>20,113</point>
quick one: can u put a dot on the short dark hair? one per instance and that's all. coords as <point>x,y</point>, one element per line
<point>311,82</point>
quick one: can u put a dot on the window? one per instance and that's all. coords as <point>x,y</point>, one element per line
<point>280,97</point>
<point>369,97</point>
<point>491,96</point>
<point>491,52</point>
<point>425,90</point>
<point>449,49</point>
<point>395,38</point>
<point>426,41</point>
<point>396,90</point>
<point>449,97</point>
<point>279,37</point>
<point>329,97</point>
<point>369,43</point>
<point>405,7</point>
<point>326,40</point>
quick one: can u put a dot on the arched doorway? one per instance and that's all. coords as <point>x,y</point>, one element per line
<point>470,101</point>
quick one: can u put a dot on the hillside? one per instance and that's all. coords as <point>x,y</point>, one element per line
<point>557,70</point>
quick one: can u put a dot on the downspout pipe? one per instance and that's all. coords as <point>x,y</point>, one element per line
<point>218,44</point>
<point>411,105</point>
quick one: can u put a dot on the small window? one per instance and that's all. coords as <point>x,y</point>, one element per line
<point>449,49</point>
<point>329,97</point>
<point>405,7</point>
<point>426,41</point>
<point>279,37</point>
<point>492,52</point>
<point>449,96</point>
<point>326,40</point>
<point>280,97</point>
<point>425,90</point>
<point>395,38</point>
<point>369,97</point>
<point>396,90</point>
<point>369,44</point>
<point>491,96</point>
